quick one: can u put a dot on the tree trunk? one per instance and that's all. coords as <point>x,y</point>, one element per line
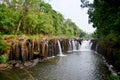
<point>18,27</point>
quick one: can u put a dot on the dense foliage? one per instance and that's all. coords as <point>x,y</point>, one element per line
<point>3,45</point>
<point>111,77</point>
<point>105,16</point>
<point>34,17</point>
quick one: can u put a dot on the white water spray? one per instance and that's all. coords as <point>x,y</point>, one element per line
<point>60,50</point>
<point>74,46</point>
<point>78,46</point>
<point>85,45</point>
<point>70,47</point>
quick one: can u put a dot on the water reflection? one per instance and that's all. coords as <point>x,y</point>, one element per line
<point>84,65</point>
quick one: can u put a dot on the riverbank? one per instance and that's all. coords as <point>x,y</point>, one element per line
<point>27,51</point>
<point>110,50</point>
<point>82,64</point>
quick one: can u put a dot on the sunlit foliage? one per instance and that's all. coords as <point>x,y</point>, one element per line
<point>34,17</point>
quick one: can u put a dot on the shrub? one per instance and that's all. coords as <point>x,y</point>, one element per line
<point>3,59</point>
<point>111,77</point>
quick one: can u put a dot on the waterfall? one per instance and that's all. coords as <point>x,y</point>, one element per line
<point>86,45</point>
<point>60,50</point>
<point>96,48</point>
<point>74,46</point>
<point>78,46</point>
<point>70,47</point>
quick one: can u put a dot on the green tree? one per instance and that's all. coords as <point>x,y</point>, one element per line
<point>8,19</point>
<point>34,17</point>
<point>104,14</point>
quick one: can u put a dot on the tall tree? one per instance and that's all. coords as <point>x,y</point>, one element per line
<point>104,14</point>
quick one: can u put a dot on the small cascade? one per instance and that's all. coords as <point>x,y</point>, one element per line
<point>78,46</point>
<point>51,49</point>
<point>70,47</point>
<point>60,50</point>
<point>74,46</point>
<point>86,46</point>
<point>96,47</point>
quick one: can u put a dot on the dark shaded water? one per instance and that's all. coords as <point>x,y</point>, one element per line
<point>81,65</point>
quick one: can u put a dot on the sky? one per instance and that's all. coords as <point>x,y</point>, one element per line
<point>71,9</point>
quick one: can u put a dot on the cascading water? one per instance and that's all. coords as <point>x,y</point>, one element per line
<point>81,65</point>
<point>74,46</point>
<point>96,47</point>
<point>78,46</point>
<point>70,47</point>
<point>85,45</point>
<point>60,50</point>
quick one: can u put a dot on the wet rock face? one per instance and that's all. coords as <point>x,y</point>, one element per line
<point>64,44</point>
<point>43,48</point>
<point>21,51</point>
<point>52,47</point>
<point>27,49</point>
<point>94,44</point>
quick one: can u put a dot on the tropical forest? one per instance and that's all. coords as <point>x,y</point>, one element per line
<point>38,42</point>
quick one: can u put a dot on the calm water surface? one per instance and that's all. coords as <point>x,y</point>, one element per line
<point>77,65</point>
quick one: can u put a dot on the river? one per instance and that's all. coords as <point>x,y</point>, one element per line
<point>84,64</point>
